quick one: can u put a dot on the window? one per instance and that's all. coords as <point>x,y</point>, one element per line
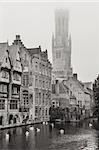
<point>40,98</point>
<point>36,97</point>
<point>43,99</point>
<point>40,83</point>
<point>58,54</point>
<point>42,112</point>
<point>46,84</point>
<point>13,104</point>
<point>3,88</point>
<point>43,84</point>
<point>25,80</point>
<point>25,98</point>
<point>16,77</point>
<point>46,112</point>
<point>36,111</point>
<point>15,90</point>
<point>46,99</point>
<point>31,73</point>
<point>5,74</point>
<point>36,66</point>
<point>53,102</point>
<point>40,68</point>
<point>80,103</point>
<point>2,104</point>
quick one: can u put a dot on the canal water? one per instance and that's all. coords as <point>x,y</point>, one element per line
<point>75,137</point>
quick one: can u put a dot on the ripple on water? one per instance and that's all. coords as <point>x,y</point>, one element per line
<point>74,142</point>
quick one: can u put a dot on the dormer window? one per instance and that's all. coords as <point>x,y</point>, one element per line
<point>5,74</point>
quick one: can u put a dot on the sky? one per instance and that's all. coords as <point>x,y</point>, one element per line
<point>34,22</point>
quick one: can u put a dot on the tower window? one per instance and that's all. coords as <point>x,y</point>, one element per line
<point>58,54</point>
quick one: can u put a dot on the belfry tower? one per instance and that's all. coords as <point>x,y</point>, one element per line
<point>61,45</point>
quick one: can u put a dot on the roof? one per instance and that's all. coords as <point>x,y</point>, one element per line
<point>14,53</point>
<point>3,48</point>
<point>34,50</point>
<point>82,86</point>
<point>62,88</point>
<point>13,50</point>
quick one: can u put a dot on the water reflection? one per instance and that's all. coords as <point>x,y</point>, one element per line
<point>76,136</point>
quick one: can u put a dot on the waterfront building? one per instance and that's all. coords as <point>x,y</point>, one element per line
<point>25,83</point>
<point>82,94</point>
<point>15,84</point>
<point>27,105</point>
<point>41,68</point>
<point>62,97</point>
<point>5,68</point>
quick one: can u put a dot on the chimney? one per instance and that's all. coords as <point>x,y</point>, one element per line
<point>17,37</point>
<point>75,76</point>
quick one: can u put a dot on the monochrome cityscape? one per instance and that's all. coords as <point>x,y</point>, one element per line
<point>38,95</point>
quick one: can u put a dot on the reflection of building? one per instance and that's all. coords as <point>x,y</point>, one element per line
<point>61,45</point>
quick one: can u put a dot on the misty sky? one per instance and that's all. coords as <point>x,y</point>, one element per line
<point>34,21</point>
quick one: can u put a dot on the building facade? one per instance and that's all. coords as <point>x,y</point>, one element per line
<point>25,84</point>
<point>5,70</point>
<point>26,108</point>
<point>63,98</point>
<point>42,80</point>
<point>15,84</point>
<point>82,94</point>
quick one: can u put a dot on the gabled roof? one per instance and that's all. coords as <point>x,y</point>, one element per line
<point>14,53</point>
<point>81,86</point>
<point>3,48</point>
<point>13,50</point>
<point>62,88</point>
